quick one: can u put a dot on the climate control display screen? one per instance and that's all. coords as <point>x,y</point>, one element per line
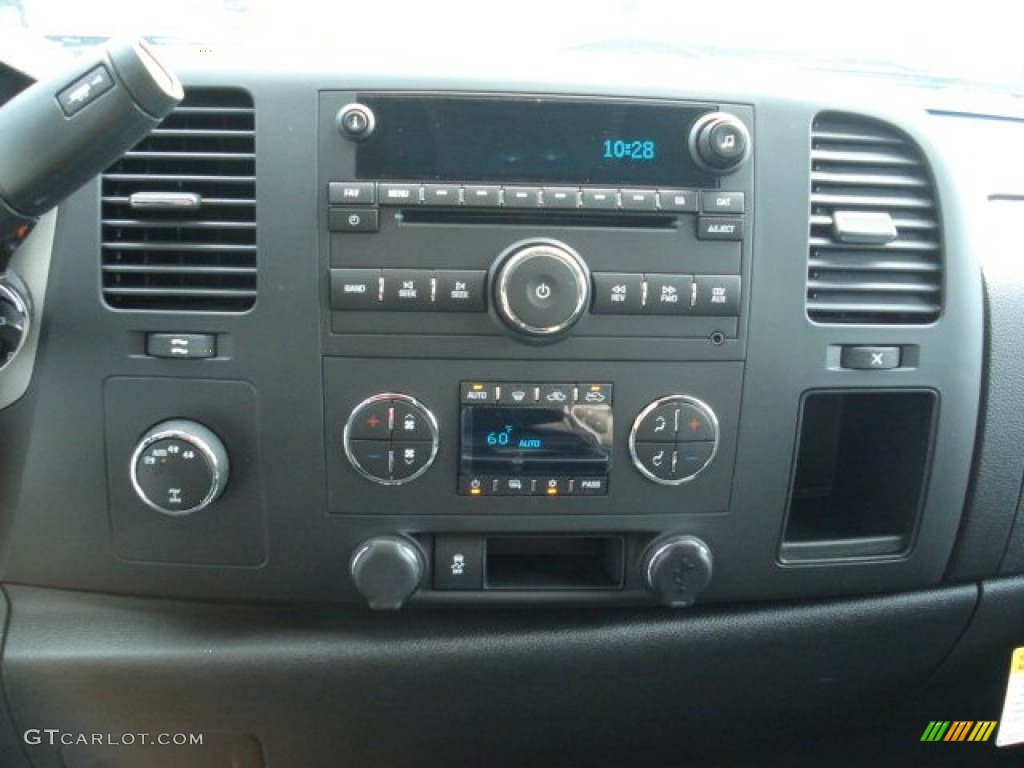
<point>553,433</point>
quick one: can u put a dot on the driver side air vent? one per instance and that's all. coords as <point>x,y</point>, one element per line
<point>179,211</point>
<point>875,244</point>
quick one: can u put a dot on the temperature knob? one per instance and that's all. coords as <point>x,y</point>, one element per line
<point>179,467</point>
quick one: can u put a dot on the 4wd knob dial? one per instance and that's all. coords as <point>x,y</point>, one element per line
<point>179,467</point>
<point>541,288</point>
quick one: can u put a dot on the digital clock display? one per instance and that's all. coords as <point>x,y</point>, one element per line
<point>530,141</point>
<point>571,440</point>
<point>637,149</point>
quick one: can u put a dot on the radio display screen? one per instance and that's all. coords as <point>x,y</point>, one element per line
<point>543,440</point>
<point>538,140</point>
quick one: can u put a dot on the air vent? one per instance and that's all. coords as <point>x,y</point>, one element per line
<point>179,211</point>
<point>875,244</point>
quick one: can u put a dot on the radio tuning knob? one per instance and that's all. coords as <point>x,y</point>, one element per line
<point>541,288</point>
<point>179,467</point>
<point>719,142</point>
<point>677,569</point>
<point>387,570</point>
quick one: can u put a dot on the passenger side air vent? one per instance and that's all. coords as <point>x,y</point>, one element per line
<point>179,211</point>
<point>875,244</point>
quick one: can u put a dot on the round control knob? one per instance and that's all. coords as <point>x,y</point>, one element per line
<point>386,571</point>
<point>355,121</point>
<point>677,569</point>
<point>15,317</point>
<point>541,288</point>
<point>391,438</point>
<point>719,142</point>
<point>179,467</point>
<point>674,439</point>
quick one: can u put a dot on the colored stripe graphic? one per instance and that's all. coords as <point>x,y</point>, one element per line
<point>935,730</point>
<point>982,730</point>
<point>959,730</point>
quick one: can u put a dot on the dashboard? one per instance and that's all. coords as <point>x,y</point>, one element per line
<point>560,420</point>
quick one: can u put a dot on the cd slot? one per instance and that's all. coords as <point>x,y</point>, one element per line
<point>539,218</point>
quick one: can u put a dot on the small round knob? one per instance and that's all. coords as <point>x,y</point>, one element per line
<point>719,142</point>
<point>387,570</point>
<point>541,288</point>
<point>15,317</point>
<point>677,569</point>
<point>179,467</point>
<point>356,121</point>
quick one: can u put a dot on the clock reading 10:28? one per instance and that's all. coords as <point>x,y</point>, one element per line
<point>635,149</point>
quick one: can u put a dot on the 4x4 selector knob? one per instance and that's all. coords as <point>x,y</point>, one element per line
<point>719,142</point>
<point>541,288</point>
<point>179,467</point>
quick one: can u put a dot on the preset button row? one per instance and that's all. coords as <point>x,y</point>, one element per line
<point>359,193</point>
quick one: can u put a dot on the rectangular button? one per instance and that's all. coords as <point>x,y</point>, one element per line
<point>513,486</point>
<point>556,394</point>
<point>639,199</point>
<point>717,295</point>
<point>721,202</point>
<point>869,358</point>
<point>458,562</point>
<point>406,289</point>
<point>478,392</point>
<point>518,394</point>
<point>551,486</point>
<point>399,194</point>
<point>677,200</point>
<point>601,199</point>
<point>720,228</point>
<point>351,193</point>
<point>595,394</point>
<point>355,289</point>
<point>590,486</point>
<point>85,90</point>
<point>441,194</point>
<point>475,485</point>
<point>668,294</point>
<point>353,219</point>
<point>617,293</point>
<point>560,197</point>
<point>457,290</point>
<point>480,195</point>
<point>182,346</point>
<point>522,197</point>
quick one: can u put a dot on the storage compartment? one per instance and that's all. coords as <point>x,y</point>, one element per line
<point>862,462</point>
<point>553,562</point>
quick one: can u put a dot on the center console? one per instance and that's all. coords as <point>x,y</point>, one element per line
<point>535,311</point>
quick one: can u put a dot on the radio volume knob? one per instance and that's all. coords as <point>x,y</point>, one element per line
<point>541,288</point>
<point>719,142</point>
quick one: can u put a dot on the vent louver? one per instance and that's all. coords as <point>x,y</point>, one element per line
<point>875,252</point>
<point>179,211</point>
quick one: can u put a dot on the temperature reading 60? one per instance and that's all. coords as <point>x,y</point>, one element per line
<point>500,438</point>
